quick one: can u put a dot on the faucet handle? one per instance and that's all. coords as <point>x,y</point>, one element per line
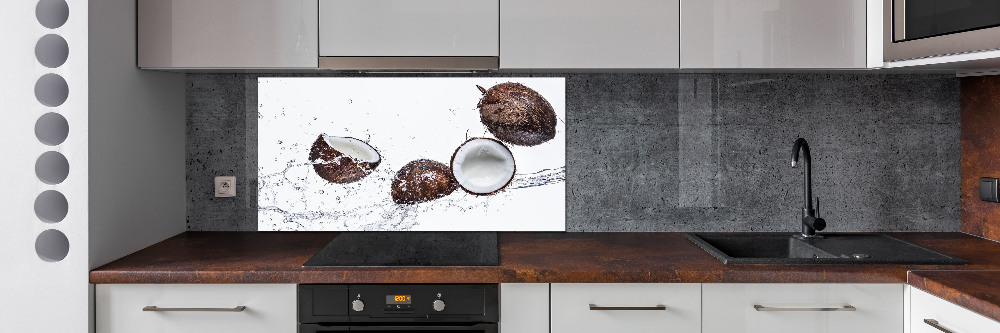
<point>817,206</point>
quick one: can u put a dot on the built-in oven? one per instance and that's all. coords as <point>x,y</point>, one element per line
<point>927,28</point>
<point>388,308</point>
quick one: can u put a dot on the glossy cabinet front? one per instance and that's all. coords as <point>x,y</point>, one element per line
<point>409,28</point>
<point>930,314</point>
<point>589,34</point>
<point>223,34</point>
<point>626,307</point>
<point>196,308</point>
<point>802,308</point>
<point>773,34</point>
<point>524,308</point>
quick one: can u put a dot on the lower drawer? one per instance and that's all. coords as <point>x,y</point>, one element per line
<point>626,307</point>
<point>802,308</point>
<point>947,316</point>
<point>194,308</point>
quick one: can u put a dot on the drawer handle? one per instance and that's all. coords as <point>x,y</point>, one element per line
<point>234,309</point>
<point>629,308</point>
<point>759,307</point>
<point>935,324</point>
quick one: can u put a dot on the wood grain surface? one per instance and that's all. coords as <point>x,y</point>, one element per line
<point>978,291</point>
<point>980,153</point>
<point>277,257</point>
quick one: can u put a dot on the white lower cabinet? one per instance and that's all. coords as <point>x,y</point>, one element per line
<point>196,308</point>
<point>930,314</point>
<point>524,308</point>
<point>626,307</point>
<point>802,308</point>
<point>570,308</point>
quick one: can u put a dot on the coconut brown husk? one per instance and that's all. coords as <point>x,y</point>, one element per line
<point>517,114</point>
<point>422,181</point>
<point>337,167</point>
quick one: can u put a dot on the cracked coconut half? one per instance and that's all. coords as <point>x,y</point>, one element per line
<point>343,160</point>
<point>483,166</point>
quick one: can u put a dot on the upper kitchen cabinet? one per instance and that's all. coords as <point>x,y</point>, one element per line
<point>220,34</point>
<point>780,34</point>
<point>580,34</point>
<point>409,34</point>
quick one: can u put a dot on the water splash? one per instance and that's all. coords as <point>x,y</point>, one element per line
<point>296,199</point>
<point>540,178</point>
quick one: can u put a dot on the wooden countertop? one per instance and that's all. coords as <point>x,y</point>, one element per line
<point>277,257</point>
<point>978,291</point>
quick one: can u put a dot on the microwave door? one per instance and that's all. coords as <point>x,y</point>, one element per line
<point>916,19</point>
<point>914,29</point>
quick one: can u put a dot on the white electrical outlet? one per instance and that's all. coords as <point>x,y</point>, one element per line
<point>225,186</point>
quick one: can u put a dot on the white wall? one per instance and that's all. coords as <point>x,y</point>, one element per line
<point>37,295</point>
<point>126,127</point>
<point>137,186</point>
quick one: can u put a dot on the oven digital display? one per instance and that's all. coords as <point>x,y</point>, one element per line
<point>397,299</point>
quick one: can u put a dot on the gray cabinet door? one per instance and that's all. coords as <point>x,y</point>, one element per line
<point>774,34</point>
<point>227,34</point>
<point>589,34</point>
<point>409,28</point>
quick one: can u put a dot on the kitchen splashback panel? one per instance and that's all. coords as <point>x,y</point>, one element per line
<point>396,174</point>
<point>679,152</point>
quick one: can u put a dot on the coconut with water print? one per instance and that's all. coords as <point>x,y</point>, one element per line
<point>343,160</point>
<point>483,166</point>
<point>421,181</point>
<point>517,114</point>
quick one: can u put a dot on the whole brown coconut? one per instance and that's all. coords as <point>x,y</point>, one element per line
<point>421,181</point>
<point>343,160</point>
<point>517,114</point>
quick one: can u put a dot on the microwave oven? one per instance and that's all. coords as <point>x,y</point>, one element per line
<point>915,29</point>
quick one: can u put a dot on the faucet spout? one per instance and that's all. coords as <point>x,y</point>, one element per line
<point>803,146</point>
<point>810,222</point>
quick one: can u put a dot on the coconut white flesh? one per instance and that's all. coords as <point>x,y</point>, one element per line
<point>357,149</point>
<point>483,166</point>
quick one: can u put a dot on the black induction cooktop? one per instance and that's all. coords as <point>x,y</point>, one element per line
<point>409,248</point>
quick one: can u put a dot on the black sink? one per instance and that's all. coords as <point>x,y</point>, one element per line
<point>787,248</point>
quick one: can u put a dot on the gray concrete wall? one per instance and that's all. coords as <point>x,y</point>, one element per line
<point>682,152</point>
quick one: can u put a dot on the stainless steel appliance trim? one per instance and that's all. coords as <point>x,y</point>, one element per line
<point>759,307</point>
<point>935,324</point>
<point>158,309</point>
<point>898,20</point>
<point>409,63</point>
<point>963,42</point>
<point>627,308</point>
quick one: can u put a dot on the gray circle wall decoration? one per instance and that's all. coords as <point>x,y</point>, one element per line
<point>52,245</point>
<point>51,50</point>
<point>52,13</point>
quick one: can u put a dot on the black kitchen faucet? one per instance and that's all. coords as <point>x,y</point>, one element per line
<point>810,222</point>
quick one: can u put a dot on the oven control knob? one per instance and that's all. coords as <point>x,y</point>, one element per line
<point>438,305</point>
<point>358,305</point>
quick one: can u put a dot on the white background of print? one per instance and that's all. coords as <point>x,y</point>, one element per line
<point>405,119</point>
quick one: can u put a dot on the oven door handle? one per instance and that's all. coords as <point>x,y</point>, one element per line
<point>432,327</point>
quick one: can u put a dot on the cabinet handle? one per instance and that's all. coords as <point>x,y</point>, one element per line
<point>759,307</point>
<point>935,324</point>
<point>630,308</point>
<point>233,309</point>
